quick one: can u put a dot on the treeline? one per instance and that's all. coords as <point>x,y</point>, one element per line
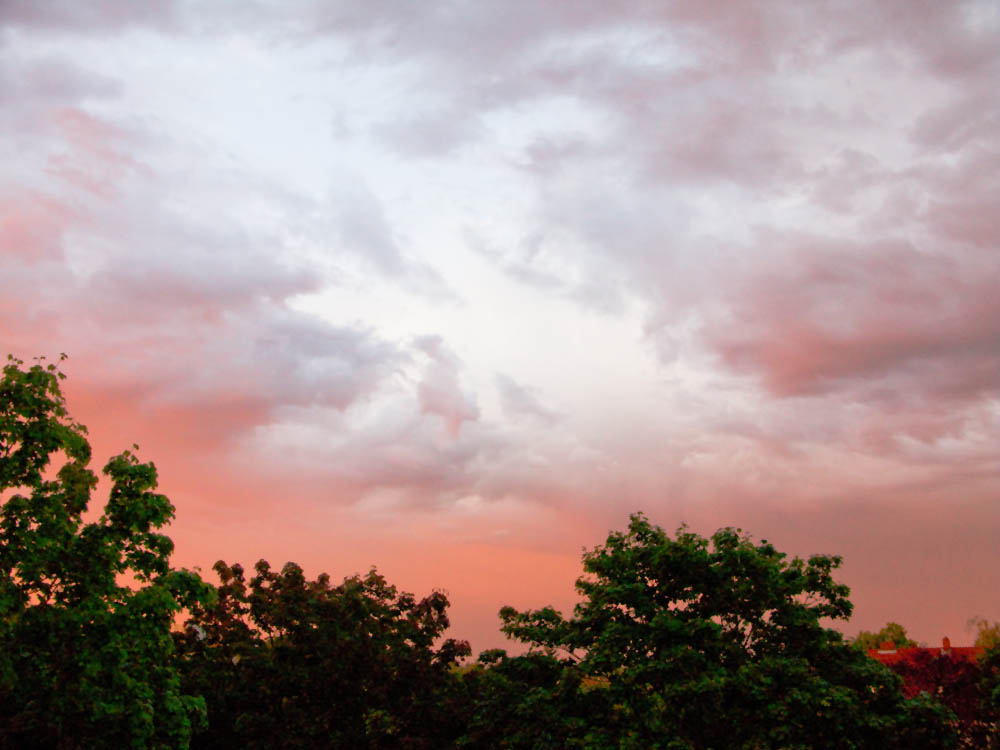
<point>679,641</point>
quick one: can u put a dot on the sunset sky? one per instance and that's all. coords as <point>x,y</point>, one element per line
<point>451,288</point>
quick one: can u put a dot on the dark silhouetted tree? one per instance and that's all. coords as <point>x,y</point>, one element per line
<point>955,683</point>
<point>537,701</point>
<point>286,662</point>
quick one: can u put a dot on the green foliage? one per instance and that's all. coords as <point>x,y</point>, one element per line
<point>989,691</point>
<point>892,633</point>
<point>286,662</point>
<point>678,641</point>
<point>718,643</point>
<point>536,701</point>
<point>85,659</point>
<point>987,633</point>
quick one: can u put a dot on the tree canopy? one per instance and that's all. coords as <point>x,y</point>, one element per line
<point>893,633</point>
<point>286,662</point>
<point>720,642</point>
<point>987,633</point>
<point>86,608</point>
<point>679,641</point>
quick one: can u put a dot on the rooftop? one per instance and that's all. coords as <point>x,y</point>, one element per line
<point>888,654</point>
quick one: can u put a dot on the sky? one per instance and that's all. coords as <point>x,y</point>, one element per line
<point>453,288</point>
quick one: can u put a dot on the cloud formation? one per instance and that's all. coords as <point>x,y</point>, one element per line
<point>437,287</point>
<point>517,401</point>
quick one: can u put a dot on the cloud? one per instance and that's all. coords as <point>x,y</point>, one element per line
<point>439,391</point>
<point>364,229</point>
<point>430,133</point>
<point>367,235</point>
<point>518,401</point>
<point>970,120</point>
<point>748,255</point>
<point>32,226</point>
<point>862,311</point>
<point>184,315</point>
<point>104,17</point>
<point>46,79</point>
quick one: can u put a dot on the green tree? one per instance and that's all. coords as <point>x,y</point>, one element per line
<point>719,643</point>
<point>989,690</point>
<point>893,633</point>
<point>286,662</point>
<point>536,701</point>
<point>86,608</point>
<point>987,633</point>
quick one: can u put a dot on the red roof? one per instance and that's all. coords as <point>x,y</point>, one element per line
<point>888,654</point>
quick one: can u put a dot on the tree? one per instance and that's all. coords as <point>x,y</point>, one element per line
<point>85,656</point>
<point>893,633</point>
<point>286,662</point>
<point>535,701</point>
<point>989,688</point>
<point>712,643</point>
<point>952,681</point>
<point>987,633</point>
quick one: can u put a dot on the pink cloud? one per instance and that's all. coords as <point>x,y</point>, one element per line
<point>439,391</point>
<point>32,227</point>
<point>95,160</point>
<point>64,15</point>
<point>863,312</point>
<point>815,245</point>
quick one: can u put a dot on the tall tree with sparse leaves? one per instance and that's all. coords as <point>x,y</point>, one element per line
<point>86,607</point>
